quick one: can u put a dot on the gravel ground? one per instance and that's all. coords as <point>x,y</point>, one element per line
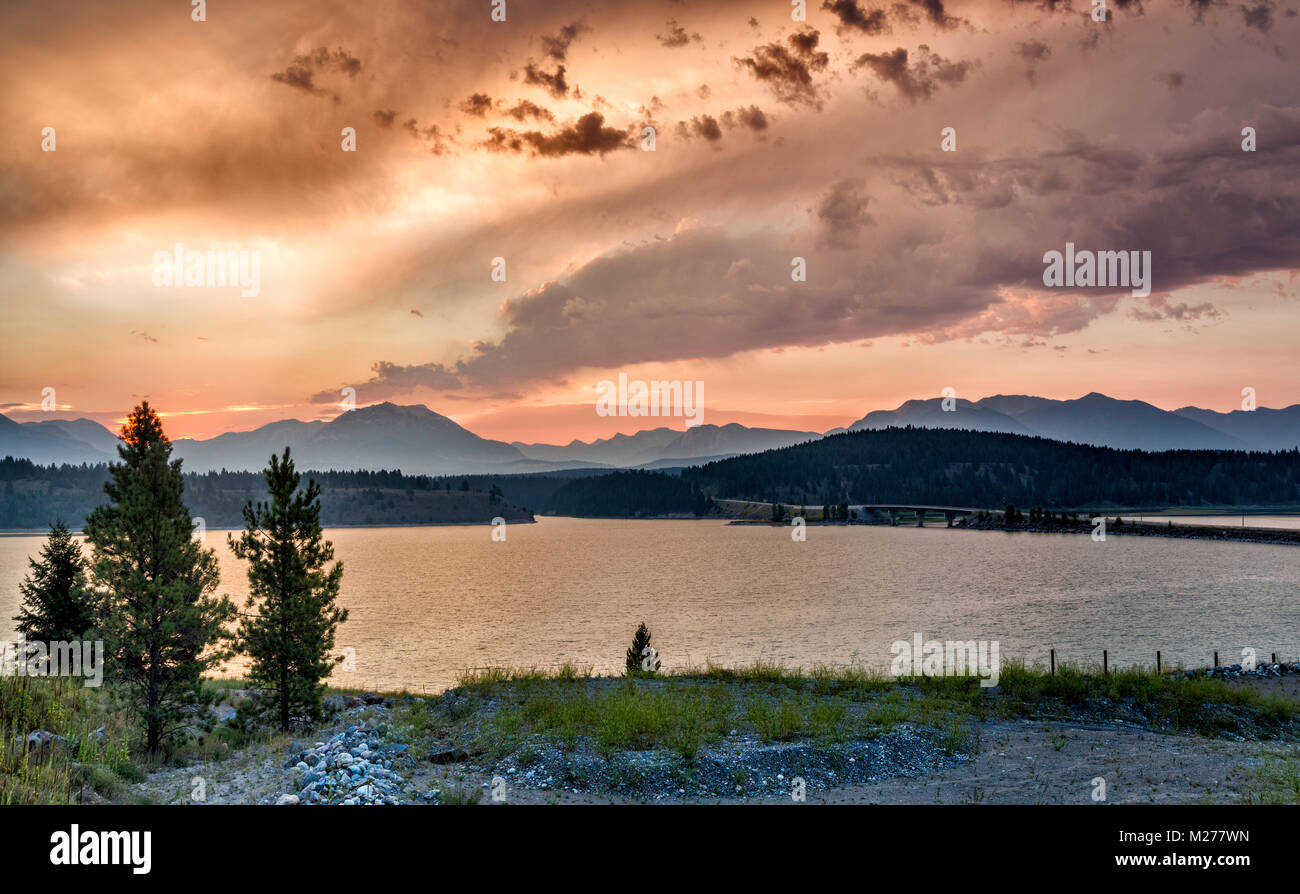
<point>1000,761</point>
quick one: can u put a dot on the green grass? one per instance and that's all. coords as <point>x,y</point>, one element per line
<point>461,795</point>
<point>1278,781</point>
<point>65,707</point>
<point>503,711</point>
<point>633,715</point>
<point>687,710</point>
<point>1163,698</point>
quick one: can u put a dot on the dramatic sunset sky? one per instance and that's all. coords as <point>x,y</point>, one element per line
<point>522,140</point>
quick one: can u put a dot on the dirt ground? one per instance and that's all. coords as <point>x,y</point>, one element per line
<point>1019,763</point>
<point>1016,762</point>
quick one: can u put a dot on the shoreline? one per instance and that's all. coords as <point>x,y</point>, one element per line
<point>27,532</point>
<point>851,739</point>
<point>1271,536</point>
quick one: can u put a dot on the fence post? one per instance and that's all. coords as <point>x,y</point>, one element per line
<point>1105,662</point>
<point>1216,659</point>
<point>1157,662</point>
<point>1053,654</point>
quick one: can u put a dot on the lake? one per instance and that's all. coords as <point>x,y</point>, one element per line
<point>427,602</point>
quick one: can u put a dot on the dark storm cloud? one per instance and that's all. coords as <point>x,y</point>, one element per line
<point>552,81</point>
<point>934,11</point>
<point>477,104</point>
<point>1198,7</point>
<point>1159,309</point>
<point>525,109</point>
<point>557,46</point>
<point>390,379</point>
<point>789,72</point>
<point>751,117</point>
<point>705,126</point>
<point>432,136</point>
<point>298,77</point>
<point>586,136</point>
<point>920,78</point>
<point>677,36</point>
<point>301,72</point>
<point>706,293</point>
<point>1033,51</point>
<point>1259,17</point>
<point>854,18</point>
<point>843,212</point>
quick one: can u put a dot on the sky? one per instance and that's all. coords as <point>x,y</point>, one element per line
<point>503,238</point>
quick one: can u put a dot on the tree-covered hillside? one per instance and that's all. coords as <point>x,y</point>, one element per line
<point>32,496</point>
<point>629,494</point>
<point>985,469</point>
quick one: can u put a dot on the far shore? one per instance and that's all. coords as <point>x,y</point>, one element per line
<point>27,532</point>
<point>1278,536</point>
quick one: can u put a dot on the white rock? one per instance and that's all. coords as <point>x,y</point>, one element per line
<point>287,800</point>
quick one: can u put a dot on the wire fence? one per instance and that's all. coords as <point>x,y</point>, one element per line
<point>1051,661</point>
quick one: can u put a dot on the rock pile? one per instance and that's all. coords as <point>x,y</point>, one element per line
<point>356,766</point>
<point>1233,671</point>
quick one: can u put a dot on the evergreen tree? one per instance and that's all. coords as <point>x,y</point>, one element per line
<point>162,625</point>
<point>55,605</point>
<point>292,594</point>
<point>637,654</point>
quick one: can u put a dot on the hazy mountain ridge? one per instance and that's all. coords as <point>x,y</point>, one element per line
<point>418,440</point>
<point>1102,421</point>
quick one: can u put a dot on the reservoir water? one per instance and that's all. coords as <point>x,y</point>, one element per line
<point>427,602</point>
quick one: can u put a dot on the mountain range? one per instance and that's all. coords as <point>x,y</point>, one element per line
<point>417,440</point>
<point>1102,421</point>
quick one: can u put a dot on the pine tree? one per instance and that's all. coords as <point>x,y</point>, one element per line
<point>162,625</point>
<point>292,594</point>
<point>637,654</point>
<point>56,606</point>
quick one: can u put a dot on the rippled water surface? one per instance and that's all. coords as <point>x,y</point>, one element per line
<point>426,602</point>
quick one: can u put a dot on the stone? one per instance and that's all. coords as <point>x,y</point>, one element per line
<point>450,756</point>
<point>42,741</point>
<point>287,800</point>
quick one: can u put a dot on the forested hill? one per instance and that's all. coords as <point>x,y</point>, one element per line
<point>893,465</point>
<point>32,496</point>
<point>628,495</point>
<point>986,469</point>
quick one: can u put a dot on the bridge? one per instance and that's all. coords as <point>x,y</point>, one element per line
<point>948,512</point>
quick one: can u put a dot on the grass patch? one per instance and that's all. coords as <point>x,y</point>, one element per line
<point>92,750</point>
<point>689,709</point>
<point>1164,699</point>
<point>1278,781</point>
